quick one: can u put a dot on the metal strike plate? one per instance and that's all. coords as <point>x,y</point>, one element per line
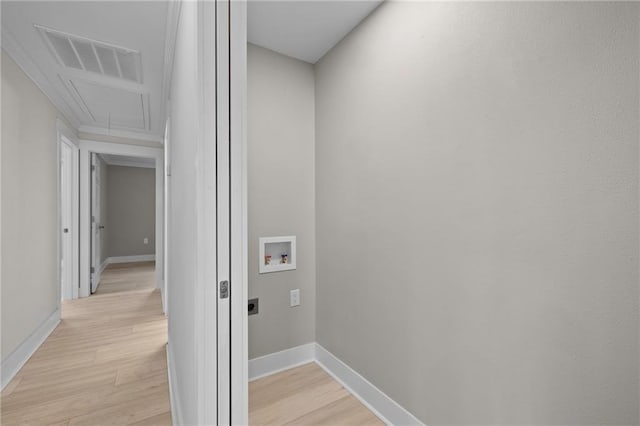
<point>224,289</point>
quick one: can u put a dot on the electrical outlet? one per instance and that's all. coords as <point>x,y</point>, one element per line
<point>253,306</point>
<point>294,297</point>
<point>146,240</point>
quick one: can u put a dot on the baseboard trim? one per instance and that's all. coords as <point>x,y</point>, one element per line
<point>18,358</point>
<point>174,400</point>
<point>373,398</point>
<point>128,259</point>
<point>279,361</point>
<point>104,265</point>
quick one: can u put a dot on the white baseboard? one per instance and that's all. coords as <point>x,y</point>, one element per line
<point>176,413</point>
<point>14,362</point>
<point>128,259</point>
<point>373,398</point>
<point>104,265</point>
<point>279,361</point>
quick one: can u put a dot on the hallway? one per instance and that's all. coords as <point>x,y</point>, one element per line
<point>104,364</point>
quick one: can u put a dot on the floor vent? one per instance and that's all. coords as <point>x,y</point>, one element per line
<point>93,56</point>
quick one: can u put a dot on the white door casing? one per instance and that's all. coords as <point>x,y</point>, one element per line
<point>236,67</point>
<point>221,191</point>
<point>238,222</point>
<point>223,153</point>
<point>86,148</point>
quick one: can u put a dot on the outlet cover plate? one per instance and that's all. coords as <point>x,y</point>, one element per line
<point>294,297</point>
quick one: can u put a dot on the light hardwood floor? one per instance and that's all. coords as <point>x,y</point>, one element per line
<point>305,395</point>
<point>120,277</point>
<point>104,364</point>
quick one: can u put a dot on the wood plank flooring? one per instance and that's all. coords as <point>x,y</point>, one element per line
<point>104,364</point>
<point>119,277</point>
<point>305,395</point>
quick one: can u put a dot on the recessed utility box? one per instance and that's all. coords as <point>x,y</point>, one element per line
<point>277,254</point>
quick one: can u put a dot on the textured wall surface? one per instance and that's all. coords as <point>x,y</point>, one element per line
<point>477,209</point>
<point>131,210</point>
<point>29,204</point>
<point>281,195</point>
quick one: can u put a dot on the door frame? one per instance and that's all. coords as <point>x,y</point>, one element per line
<point>239,207</point>
<point>86,148</point>
<point>65,135</point>
<point>230,145</point>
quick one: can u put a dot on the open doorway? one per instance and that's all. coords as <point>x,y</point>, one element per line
<point>121,210</point>
<point>123,223</point>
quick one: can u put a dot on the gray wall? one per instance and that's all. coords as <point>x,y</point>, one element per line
<point>477,209</point>
<point>280,140</point>
<point>30,282</point>
<point>131,211</point>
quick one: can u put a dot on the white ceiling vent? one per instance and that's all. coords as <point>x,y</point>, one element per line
<point>93,56</point>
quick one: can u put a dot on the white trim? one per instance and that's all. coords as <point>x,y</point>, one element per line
<point>166,174</point>
<point>279,361</point>
<point>239,227</point>
<point>173,17</point>
<point>20,57</point>
<point>102,266</point>
<point>86,148</point>
<point>14,362</point>
<point>160,257</point>
<point>67,131</point>
<point>122,148</point>
<point>220,106</point>
<point>373,398</point>
<point>62,102</point>
<point>389,411</point>
<point>174,396</point>
<point>148,137</point>
<point>129,259</point>
<point>119,161</point>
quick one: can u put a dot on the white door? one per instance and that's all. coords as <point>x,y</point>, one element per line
<point>66,221</point>
<point>96,224</point>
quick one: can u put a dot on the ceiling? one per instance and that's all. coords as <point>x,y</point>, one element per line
<point>304,29</point>
<point>105,64</point>
<point>102,63</point>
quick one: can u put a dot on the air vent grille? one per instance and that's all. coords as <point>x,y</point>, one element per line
<point>94,56</point>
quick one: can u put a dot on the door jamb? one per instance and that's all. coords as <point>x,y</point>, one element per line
<point>239,230</point>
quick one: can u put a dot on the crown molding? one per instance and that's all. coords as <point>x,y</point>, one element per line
<point>22,59</point>
<point>173,16</point>
<point>15,51</point>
